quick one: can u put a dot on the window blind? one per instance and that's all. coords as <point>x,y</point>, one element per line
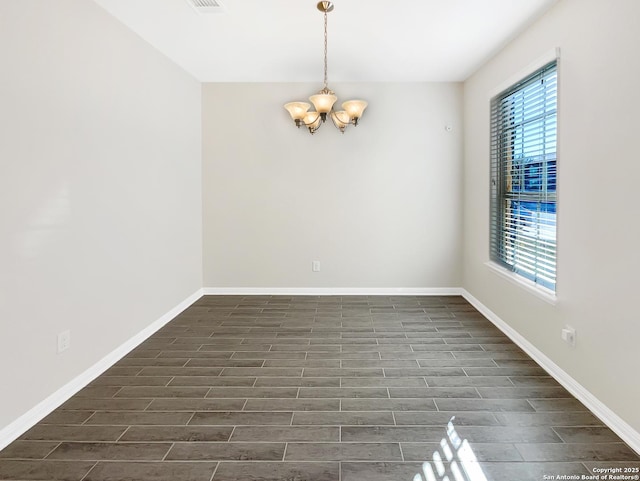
<point>523,177</point>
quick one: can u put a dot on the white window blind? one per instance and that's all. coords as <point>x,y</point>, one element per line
<point>523,177</point>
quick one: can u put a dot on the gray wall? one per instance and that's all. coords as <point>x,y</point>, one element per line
<point>100,217</point>
<point>598,172</point>
<point>379,206</point>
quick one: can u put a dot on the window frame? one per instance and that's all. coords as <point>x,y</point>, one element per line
<point>501,194</point>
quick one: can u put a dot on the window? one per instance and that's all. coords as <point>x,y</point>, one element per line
<point>523,177</point>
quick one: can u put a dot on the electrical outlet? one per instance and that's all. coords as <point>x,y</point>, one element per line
<point>64,341</point>
<point>315,266</point>
<point>569,335</point>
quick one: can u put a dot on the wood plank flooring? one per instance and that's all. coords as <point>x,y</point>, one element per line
<point>320,388</point>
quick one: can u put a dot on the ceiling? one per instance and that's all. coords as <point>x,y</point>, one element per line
<point>369,41</point>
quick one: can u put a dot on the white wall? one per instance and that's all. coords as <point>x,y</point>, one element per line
<point>598,173</point>
<point>100,203</point>
<point>379,206</point>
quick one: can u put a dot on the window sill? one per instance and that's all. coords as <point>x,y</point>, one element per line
<point>538,291</point>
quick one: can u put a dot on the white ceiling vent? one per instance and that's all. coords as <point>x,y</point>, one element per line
<point>207,6</point>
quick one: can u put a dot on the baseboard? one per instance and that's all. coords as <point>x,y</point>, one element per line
<point>18,427</point>
<point>333,291</point>
<point>606,415</point>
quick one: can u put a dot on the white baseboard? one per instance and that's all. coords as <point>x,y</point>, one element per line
<point>18,427</point>
<point>332,291</point>
<point>606,415</point>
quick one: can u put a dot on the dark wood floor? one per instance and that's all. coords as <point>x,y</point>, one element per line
<point>320,389</point>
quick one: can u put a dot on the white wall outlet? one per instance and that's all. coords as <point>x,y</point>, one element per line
<point>64,341</point>
<point>569,335</point>
<point>315,266</point>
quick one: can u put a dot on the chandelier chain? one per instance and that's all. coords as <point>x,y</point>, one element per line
<point>325,51</point>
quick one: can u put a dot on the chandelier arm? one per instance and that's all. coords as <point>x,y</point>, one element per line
<point>319,117</point>
<point>308,125</point>
<point>351,121</point>
<point>300,122</point>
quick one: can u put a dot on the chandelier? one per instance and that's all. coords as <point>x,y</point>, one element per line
<point>323,101</point>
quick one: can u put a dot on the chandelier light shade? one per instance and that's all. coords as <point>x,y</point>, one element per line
<point>297,110</point>
<point>354,109</point>
<point>324,100</point>
<point>340,120</point>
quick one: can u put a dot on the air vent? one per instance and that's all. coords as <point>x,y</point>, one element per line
<point>206,6</point>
